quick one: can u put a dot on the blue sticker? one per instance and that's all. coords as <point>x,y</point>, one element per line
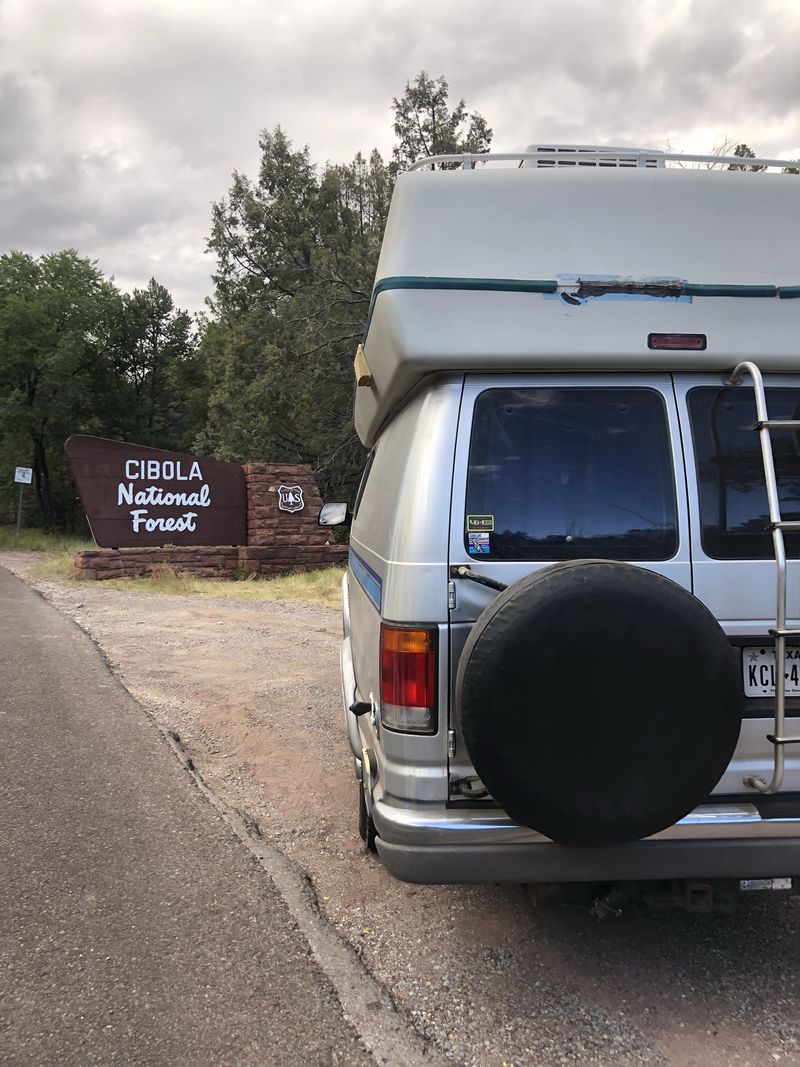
<point>479,544</point>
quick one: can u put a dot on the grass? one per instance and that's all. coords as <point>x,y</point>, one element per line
<point>33,540</point>
<point>322,586</point>
<point>59,566</point>
<point>58,548</point>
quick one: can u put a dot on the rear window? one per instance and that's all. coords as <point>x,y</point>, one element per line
<point>570,473</point>
<point>734,512</point>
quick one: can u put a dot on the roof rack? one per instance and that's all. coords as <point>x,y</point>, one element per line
<point>596,156</point>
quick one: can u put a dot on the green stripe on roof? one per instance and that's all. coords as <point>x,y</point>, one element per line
<point>691,289</point>
<point>422,281</point>
<point>534,285</point>
<point>502,285</point>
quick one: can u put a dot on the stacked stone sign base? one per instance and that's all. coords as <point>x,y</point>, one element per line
<point>278,541</point>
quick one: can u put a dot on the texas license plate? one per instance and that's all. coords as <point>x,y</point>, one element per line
<point>764,883</point>
<point>759,672</point>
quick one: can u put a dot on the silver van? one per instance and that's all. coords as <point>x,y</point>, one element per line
<point>574,552</point>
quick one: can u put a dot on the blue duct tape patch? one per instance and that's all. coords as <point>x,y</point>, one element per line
<point>370,582</point>
<point>574,279</point>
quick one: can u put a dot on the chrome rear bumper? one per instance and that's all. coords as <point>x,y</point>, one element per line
<point>437,845</point>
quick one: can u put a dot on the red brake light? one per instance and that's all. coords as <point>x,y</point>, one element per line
<point>686,342</point>
<point>408,676</point>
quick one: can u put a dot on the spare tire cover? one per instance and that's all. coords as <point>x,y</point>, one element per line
<point>600,702</point>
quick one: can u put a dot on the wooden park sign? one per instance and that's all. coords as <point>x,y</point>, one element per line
<point>134,495</point>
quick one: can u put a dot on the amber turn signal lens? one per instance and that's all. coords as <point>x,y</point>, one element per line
<point>394,639</point>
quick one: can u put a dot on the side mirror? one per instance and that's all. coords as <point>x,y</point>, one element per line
<point>332,514</point>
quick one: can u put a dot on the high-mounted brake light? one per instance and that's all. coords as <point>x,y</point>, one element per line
<point>408,679</point>
<point>677,342</point>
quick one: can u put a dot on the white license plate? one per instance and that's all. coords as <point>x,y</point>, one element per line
<point>764,883</point>
<point>758,665</point>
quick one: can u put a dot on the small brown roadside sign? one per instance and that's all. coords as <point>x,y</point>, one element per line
<point>137,496</point>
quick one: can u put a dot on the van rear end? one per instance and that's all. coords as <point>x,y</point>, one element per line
<point>563,601</point>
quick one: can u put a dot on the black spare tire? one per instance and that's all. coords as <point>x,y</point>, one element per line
<point>600,702</point>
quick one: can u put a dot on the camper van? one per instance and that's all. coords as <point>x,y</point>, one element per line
<point>572,607</point>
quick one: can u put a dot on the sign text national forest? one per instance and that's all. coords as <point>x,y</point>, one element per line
<point>134,495</point>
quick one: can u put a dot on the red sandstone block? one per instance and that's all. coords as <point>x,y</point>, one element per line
<point>279,529</point>
<point>281,541</point>
<point>275,470</point>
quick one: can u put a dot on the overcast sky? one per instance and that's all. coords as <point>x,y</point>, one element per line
<point>122,120</point>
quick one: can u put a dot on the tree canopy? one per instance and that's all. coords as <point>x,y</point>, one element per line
<point>425,125</point>
<point>744,152</point>
<point>78,356</point>
<point>296,252</point>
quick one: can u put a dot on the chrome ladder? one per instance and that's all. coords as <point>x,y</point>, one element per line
<point>764,425</point>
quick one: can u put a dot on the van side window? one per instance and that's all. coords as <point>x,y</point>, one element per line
<point>567,473</point>
<point>363,483</point>
<point>734,512</point>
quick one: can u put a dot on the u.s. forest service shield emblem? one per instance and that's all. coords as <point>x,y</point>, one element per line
<point>290,498</point>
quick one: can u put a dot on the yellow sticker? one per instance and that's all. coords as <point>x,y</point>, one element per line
<point>480,523</point>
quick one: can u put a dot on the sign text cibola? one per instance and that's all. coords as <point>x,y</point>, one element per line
<point>134,495</point>
<point>168,470</point>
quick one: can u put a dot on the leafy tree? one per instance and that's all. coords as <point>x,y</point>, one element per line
<point>53,321</point>
<point>154,353</point>
<point>77,356</point>
<point>296,252</point>
<point>744,152</point>
<point>425,126</point>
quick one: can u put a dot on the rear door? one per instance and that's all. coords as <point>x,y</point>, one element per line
<point>553,467</point>
<point>732,550</point>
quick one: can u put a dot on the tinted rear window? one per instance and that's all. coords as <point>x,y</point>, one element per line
<point>734,512</point>
<point>570,473</point>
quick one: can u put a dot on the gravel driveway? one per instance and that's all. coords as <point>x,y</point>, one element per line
<point>253,691</point>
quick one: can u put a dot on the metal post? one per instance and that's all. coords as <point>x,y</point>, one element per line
<point>19,514</point>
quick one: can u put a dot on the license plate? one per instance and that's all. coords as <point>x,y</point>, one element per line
<point>758,665</point>
<point>764,883</point>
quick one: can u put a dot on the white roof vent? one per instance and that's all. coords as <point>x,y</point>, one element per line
<point>582,155</point>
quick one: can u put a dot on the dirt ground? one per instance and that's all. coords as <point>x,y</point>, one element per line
<point>253,691</point>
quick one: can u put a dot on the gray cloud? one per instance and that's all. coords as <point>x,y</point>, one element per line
<point>121,122</point>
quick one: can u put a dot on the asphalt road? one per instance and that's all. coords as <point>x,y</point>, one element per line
<point>134,928</point>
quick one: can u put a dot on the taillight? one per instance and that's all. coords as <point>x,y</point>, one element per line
<point>408,679</point>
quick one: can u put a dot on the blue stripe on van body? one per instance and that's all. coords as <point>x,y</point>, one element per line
<point>367,578</point>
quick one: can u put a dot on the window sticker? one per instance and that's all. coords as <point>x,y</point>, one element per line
<point>479,544</point>
<point>480,523</point>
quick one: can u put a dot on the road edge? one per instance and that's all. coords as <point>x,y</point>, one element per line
<point>388,1035</point>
